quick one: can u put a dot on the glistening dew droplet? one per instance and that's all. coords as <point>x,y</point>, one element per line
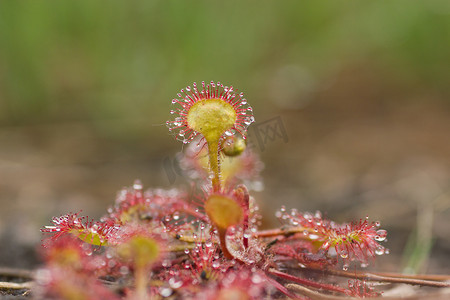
<point>381,235</point>
<point>379,250</point>
<point>175,282</point>
<point>165,291</point>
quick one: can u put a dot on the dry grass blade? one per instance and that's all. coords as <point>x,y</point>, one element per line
<point>304,291</point>
<point>422,280</point>
<point>15,286</point>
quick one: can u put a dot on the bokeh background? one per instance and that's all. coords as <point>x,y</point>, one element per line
<point>361,89</point>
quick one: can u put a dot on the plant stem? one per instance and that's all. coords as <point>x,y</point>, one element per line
<point>319,296</point>
<point>223,243</point>
<point>246,198</point>
<point>432,277</point>
<point>315,295</point>
<point>213,152</point>
<point>283,289</point>
<point>283,232</point>
<point>422,280</point>
<point>390,278</point>
<point>307,282</point>
<point>141,283</point>
<point>245,227</point>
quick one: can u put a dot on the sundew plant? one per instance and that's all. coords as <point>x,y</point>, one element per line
<point>205,242</point>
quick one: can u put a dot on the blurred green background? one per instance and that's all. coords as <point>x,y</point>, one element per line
<point>361,87</point>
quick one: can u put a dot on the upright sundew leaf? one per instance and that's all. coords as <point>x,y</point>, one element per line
<point>214,109</point>
<point>214,112</point>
